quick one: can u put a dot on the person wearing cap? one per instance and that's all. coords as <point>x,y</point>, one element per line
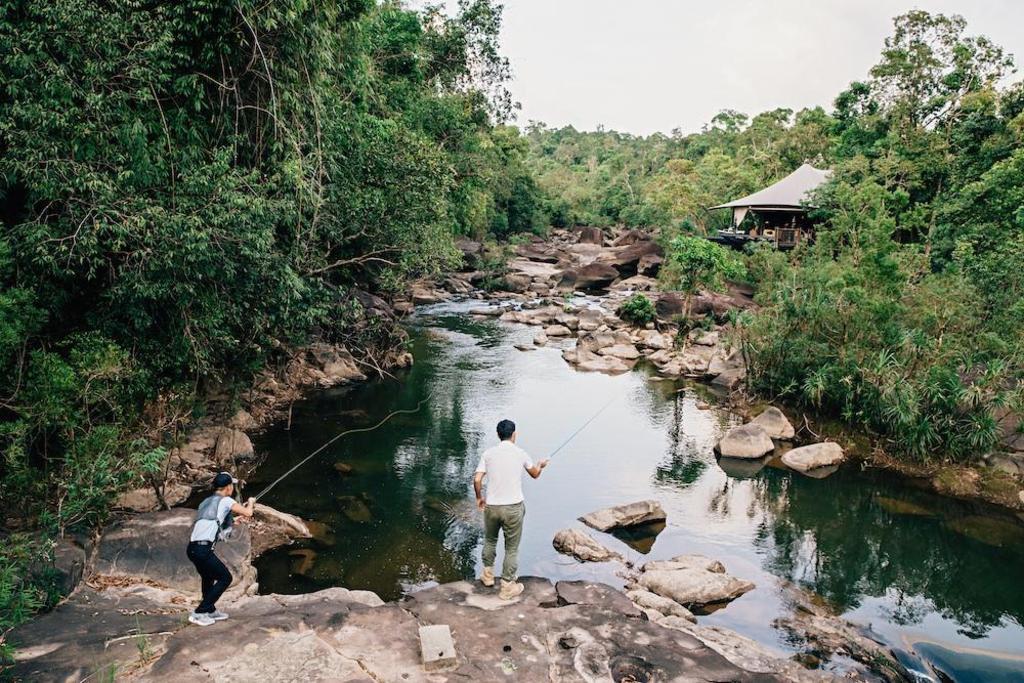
<point>504,510</point>
<point>213,523</point>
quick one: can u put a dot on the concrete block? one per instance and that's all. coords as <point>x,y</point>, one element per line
<point>437,647</point>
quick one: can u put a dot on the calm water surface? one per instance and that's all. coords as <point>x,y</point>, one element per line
<point>929,575</point>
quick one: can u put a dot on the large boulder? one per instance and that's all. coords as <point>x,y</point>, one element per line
<point>373,306</point>
<point>745,441</point>
<point>623,351</point>
<point>272,528</point>
<point>627,258</point>
<point>647,600</point>
<point>693,581</point>
<point>232,445</point>
<point>336,365</point>
<point>652,339</point>
<point>471,251</point>
<point>729,379</point>
<point>807,458</point>
<point>588,361</point>
<point>636,283</point>
<point>144,498</point>
<point>630,237</point>
<point>539,252</point>
<point>773,421</point>
<point>589,278</point>
<point>595,341</point>
<point>557,331</point>
<point>670,304</point>
<point>151,548</point>
<point>591,236</point>
<point>620,516</point>
<point>649,265</point>
<point>517,282</point>
<point>581,546</point>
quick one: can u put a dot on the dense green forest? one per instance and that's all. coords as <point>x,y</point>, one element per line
<point>187,188</point>
<point>905,317</point>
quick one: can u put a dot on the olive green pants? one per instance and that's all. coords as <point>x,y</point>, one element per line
<point>509,519</point>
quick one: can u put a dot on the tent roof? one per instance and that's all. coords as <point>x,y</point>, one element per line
<point>788,193</point>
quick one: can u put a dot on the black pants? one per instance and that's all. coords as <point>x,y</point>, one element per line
<point>216,577</point>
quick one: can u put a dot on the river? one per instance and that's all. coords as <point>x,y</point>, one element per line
<point>932,576</point>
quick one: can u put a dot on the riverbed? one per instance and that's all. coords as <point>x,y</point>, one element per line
<point>935,577</point>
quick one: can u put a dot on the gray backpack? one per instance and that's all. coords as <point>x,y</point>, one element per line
<point>208,510</point>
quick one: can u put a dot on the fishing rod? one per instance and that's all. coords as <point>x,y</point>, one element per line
<point>357,430</point>
<point>584,425</point>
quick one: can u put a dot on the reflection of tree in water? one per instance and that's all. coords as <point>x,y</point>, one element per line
<point>682,465</point>
<point>832,536</point>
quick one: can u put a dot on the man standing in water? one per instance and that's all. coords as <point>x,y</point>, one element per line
<point>213,523</point>
<point>503,508</point>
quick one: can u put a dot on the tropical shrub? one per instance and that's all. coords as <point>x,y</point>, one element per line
<point>638,309</point>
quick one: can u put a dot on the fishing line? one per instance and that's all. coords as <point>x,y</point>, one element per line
<point>584,425</point>
<point>406,411</point>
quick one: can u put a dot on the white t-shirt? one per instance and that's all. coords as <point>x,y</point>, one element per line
<point>504,464</point>
<point>206,529</point>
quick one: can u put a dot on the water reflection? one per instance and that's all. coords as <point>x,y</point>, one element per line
<point>915,566</point>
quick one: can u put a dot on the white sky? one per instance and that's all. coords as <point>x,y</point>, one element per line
<point>642,66</point>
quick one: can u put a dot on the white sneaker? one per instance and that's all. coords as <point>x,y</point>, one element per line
<point>217,615</point>
<point>200,619</point>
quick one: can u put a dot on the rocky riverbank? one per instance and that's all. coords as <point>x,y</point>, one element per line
<point>127,622</point>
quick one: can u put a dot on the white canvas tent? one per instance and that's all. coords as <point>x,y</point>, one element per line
<point>789,194</point>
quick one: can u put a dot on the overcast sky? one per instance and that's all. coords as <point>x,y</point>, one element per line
<point>642,66</point>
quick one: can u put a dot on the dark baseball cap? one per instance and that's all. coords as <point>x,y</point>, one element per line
<point>222,480</point>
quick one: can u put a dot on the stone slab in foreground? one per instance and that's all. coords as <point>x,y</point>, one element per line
<point>579,632</point>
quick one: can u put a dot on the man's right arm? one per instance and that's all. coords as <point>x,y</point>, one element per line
<point>538,468</point>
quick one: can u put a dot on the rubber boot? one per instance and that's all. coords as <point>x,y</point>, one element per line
<point>510,589</point>
<point>487,577</point>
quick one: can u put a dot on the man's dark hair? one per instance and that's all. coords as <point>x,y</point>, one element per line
<point>506,428</point>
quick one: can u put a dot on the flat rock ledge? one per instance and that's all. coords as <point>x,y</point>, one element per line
<point>572,631</point>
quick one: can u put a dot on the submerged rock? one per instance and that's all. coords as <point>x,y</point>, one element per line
<point>692,580</point>
<point>355,509</point>
<point>903,507</point>
<point>773,421</point>
<point>745,441</point>
<point>640,512</point>
<point>302,561</point>
<point>581,546</point>
<point>993,531</point>
<point>814,456</point>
